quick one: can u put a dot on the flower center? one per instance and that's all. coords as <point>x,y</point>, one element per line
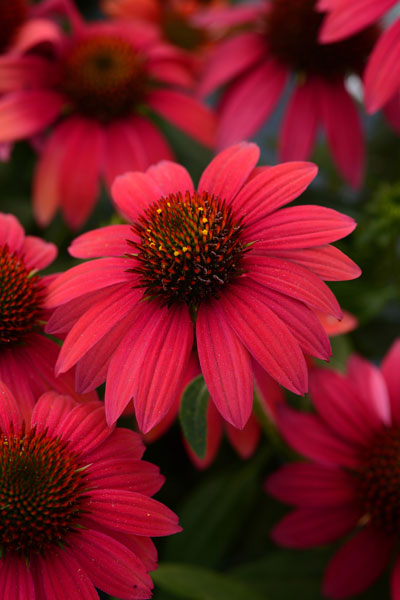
<point>292,28</point>
<point>189,248</point>
<point>104,77</point>
<point>379,480</point>
<point>12,15</point>
<point>20,298</point>
<point>40,494</point>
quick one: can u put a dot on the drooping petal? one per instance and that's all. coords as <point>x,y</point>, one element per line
<point>395,580</point>
<point>36,31</point>
<point>155,145</point>
<point>123,150</point>
<point>244,441</point>
<point>10,415</point>
<point>225,364</point>
<point>358,563</point>
<point>391,372</point>
<point>105,241</point>
<point>21,72</point>
<point>348,18</point>
<point>62,577</point>
<point>16,582</point>
<point>371,389</point>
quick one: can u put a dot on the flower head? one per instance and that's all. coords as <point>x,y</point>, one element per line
<point>75,502</point>
<point>99,88</point>
<point>351,483</point>
<point>280,42</point>
<point>223,262</point>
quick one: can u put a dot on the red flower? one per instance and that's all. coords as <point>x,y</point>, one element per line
<point>351,483</point>
<point>76,506</point>
<point>104,81</point>
<point>280,43</point>
<point>27,357</point>
<point>224,262</point>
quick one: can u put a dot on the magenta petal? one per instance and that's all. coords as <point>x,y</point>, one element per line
<point>391,373</point>
<point>225,364</point>
<point>123,150</point>
<point>37,253</point>
<point>272,188</point>
<point>110,565</point>
<point>358,563</point>
<point>371,389</point>
<point>10,414</point>
<point>49,411</point>
<point>133,193</point>
<point>312,485</point>
<point>154,144</point>
<point>229,170</point>
<point>62,577</point>
<point>23,114</point>
<point>123,443</point>
<point>131,513</point>
<point>309,527</point>
<point>171,178</point>
<point>126,474</point>
<point>84,427</point>
<point>395,580</point>
<point>16,581</point>
<point>309,436</point>
<point>244,441</point>
<point>11,232</point>
<point>266,337</point>
<point>348,18</point>
<point>87,277</point>
<point>105,241</point>
<point>299,126</point>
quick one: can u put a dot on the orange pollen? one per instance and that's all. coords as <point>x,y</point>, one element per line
<point>104,77</point>
<point>12,14</point>
<point>379,481</point>
<point>292,28</point>
<point>190,247</point>
<point>20,298</point>
<point>42,483</point>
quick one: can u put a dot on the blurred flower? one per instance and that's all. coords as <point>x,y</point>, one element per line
<point>352,481</point>
<point>257,63</point>
<point>100,90</point>
<point>222,262</point>
<point>382,75</point>
<point>27,357</point>
<point>76,506</point>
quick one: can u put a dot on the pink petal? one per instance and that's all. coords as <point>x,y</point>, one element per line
<point>312,485</point>
<point>21,72</point>
<point>308,435</point>
<point>11,232</point>
<point>342,125</point>
<point>292,280</point>
<point>49,411</point>
<point>300,123</point>
<point>186,113</point>
<point>371,388</point>
<point>339,404</point>
<point>358,563</point>
<point>225,364</point>
<point>10,414</point>
<point>15,372</point>
<point>154,143</point>
<point>94,324</point>
<point>88,277</point>
<point>126,474</point>
<point>130,512</point>
<point>229,170</point>
<point>266,337</point>
<point>391,372</point>
<point>300,227</point>
<point>232,56</point>
<point>350,17</point>
<point>105,241</point>
<point>395,579</point>
<point>382,74</point>
<point>123,150</point>
<point>36,31</point>
<point>133,193</point>
<point>16,581</point>
<point>244,441</point>
<point>272,188</point>
<point>23,114</point>
<point>84,427</point>
<point>110,565</point>
<point>37,253</point>
<point>249,101</point>
<point>62,577</point>
<point>171,178</point>
<point>392,111</point>
<point>124,443</point>
<point>309,527</point>
<point>327,262</point>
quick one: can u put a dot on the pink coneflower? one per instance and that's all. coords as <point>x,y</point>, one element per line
<point>76,506</point>
<point>220,262</point>
<point>27,356</point>
<point>100,91</point>
<point>382,75</point>
<point>257,63</point>
<point>351,484</point>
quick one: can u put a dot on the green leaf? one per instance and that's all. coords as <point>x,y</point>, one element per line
<point>193,415</point>
<point>196,583</point>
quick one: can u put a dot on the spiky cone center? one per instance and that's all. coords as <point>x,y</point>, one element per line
<point>12,14</point>
<point>41,493</point>
<point>103,76</point>
<point>190,248</point>
<point>379,481</point>
<point>20,298</point>
<point>292,28</point>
